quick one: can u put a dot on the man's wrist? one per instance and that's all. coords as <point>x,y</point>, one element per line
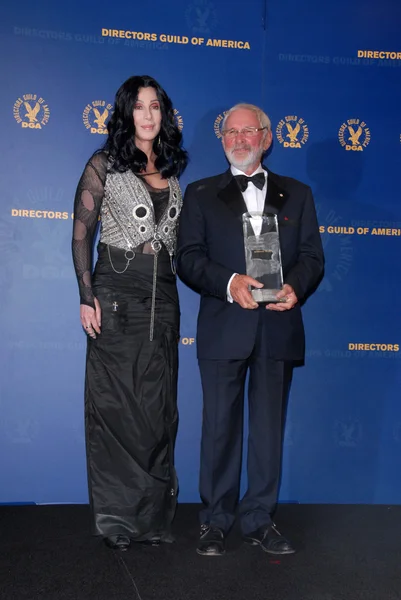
<point>229,297</point>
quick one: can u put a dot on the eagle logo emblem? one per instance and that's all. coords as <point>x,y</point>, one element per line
<point>96,115</point>
<point>354,135</point>
<point>292,132</point>
<point>31,111</point>
<point>100,118</point>
<point>348,433</point>
<point>201,17</point>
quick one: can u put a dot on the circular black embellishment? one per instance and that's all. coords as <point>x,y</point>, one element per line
<point>141,212</point>
<point>172,212</point>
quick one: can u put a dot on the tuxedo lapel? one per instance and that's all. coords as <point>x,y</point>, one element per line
<point>231,195</point>
<point>276,197</point>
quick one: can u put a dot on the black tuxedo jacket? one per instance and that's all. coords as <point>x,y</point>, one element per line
<point>211,248</point>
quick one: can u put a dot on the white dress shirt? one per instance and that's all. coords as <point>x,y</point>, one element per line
<point>254,199</point>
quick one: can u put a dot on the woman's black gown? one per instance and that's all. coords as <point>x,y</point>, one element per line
<point>131,382</point>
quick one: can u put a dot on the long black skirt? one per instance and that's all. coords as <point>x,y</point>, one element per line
<point>131,398</point>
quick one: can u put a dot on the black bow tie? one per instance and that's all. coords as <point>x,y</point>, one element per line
<point>243,180</point>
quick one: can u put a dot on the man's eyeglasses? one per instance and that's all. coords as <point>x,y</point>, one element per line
<point>246,131</point>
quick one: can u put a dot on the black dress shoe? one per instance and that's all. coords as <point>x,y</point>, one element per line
<point>117,542</point>
<point>211,541</point>
<point>270,540</point>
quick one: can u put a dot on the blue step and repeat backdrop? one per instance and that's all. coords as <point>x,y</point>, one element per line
<point>328,74</point>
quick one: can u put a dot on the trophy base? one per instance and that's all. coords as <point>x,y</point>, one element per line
<point>263,296</point>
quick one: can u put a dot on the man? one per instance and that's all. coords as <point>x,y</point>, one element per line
<point>236,335</point>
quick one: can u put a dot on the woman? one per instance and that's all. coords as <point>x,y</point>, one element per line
<point>129,309</point>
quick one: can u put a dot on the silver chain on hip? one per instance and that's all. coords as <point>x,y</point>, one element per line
<point>126,256</point>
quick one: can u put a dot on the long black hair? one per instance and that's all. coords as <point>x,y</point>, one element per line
<point>120,145</point>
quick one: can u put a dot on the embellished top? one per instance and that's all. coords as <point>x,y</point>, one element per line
<point>129,218</point>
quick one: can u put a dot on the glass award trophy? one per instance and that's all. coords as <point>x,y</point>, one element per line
<point>262,255</point>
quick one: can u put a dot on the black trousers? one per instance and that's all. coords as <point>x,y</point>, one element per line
<point>223,383</point>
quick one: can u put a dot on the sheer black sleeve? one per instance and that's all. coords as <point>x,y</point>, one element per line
<point>88,200</point>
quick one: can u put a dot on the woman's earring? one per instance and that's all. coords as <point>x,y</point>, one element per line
<point>158,141</point>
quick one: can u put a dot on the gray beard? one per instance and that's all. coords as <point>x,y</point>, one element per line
<point>241,165</point>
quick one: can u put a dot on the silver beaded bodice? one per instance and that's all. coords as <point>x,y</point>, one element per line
<point>128,217</point>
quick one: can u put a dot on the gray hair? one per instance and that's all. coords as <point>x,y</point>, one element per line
<point>262,116</point>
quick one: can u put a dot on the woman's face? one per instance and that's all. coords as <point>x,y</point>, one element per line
<point>147,115</point>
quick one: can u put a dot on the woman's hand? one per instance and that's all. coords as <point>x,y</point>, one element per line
<point>91,318</point>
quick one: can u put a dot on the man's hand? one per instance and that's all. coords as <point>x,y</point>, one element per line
<point>291,299</point>
<point>240,293</point>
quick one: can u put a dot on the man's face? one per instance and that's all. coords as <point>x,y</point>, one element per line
<point>244,151</point>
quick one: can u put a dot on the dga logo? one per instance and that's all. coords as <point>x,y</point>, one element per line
<point>292,132</point>
<point>348,433</point>
<point>201,17</point>
<point>354,135</point>
<point>218,124</point>
<point>95,116</point>
<point>178,120</point>
<point>31,112</point>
